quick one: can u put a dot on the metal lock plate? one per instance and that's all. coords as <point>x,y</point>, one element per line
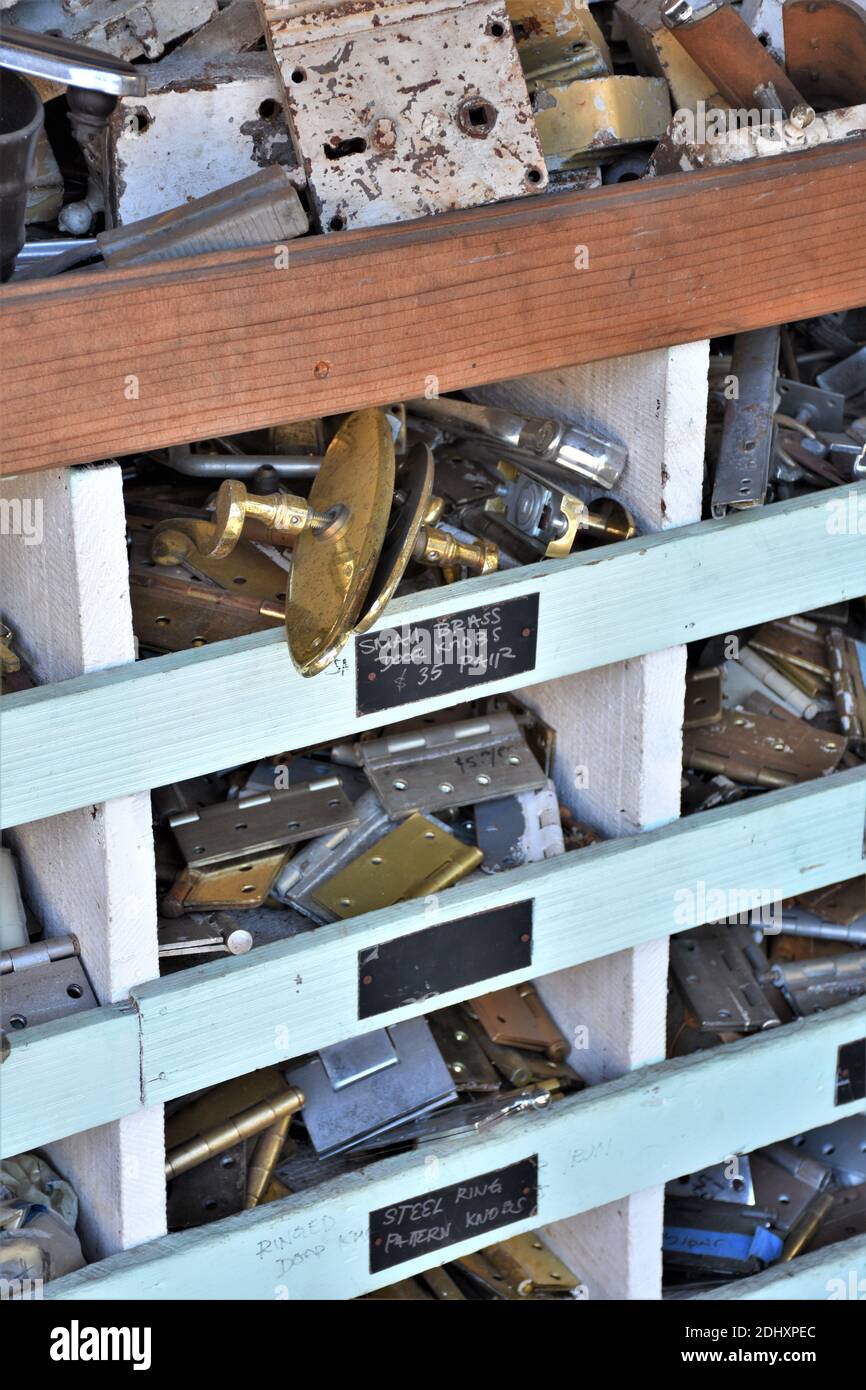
<point>416,1083</point>
<point>600,115</point>
<point>765,750</point>
<point>450,765</point>
<point>524,829</point>
<point>703,698</point>
<point>332,569</point>
<point>416,858</point>
<point>261,822</point>
<point>743,465</point>
<point>410,108</point>
<point>229,886</point>
<point>516,1017</point>
<point>558,41</point>
<point>816,1176</point>
<point>719,986</point>
<point>42,982</point>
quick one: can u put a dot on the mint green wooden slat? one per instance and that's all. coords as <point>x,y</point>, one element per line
<point>203,1025</point>
<point>835,1274</point>
<point>614,1139</point>
<point>232,1016</point>
<point>68,1076</point>
<point>172,717</point>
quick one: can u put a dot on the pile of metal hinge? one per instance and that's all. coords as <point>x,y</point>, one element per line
<point>329,833</point>
<point>775,705</point>
<point>397,501</point>
<point>752,1210</point>
<point>766,964</point>
<point>787,412</point>
<point>516,1269</point>
<point>263,120</point>
<point>286,1129</point>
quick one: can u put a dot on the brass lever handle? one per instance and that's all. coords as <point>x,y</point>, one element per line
<point>281,514</point>
<point>436,547</point>
<point>440,548</point>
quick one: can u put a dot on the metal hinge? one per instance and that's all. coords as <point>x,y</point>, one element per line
<point>447,764</point>
<point>42,981</point>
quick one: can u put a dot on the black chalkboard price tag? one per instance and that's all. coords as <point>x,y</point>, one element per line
<point>437,959</point>
<point>435,1220</point>
<point>452,654</point>
<point>851,1072</point>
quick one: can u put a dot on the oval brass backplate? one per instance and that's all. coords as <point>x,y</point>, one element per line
<point>332,569</point>
<point>415,483</point>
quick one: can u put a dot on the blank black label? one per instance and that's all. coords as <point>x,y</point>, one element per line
<point>453,654</point>
<point>437,959</point>
<point>851,1072</point>
<point>452,1214</point>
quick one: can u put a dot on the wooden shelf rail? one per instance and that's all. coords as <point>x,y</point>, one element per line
<point>111,362</point>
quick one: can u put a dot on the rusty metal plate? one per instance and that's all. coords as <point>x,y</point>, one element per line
<point>558,41</point>
<point>405,108</point>
<point>600,115</point>
<point>825,50</point>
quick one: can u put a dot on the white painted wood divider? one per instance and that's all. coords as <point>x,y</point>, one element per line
<point>618,763</point>
<point>90,872</point>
